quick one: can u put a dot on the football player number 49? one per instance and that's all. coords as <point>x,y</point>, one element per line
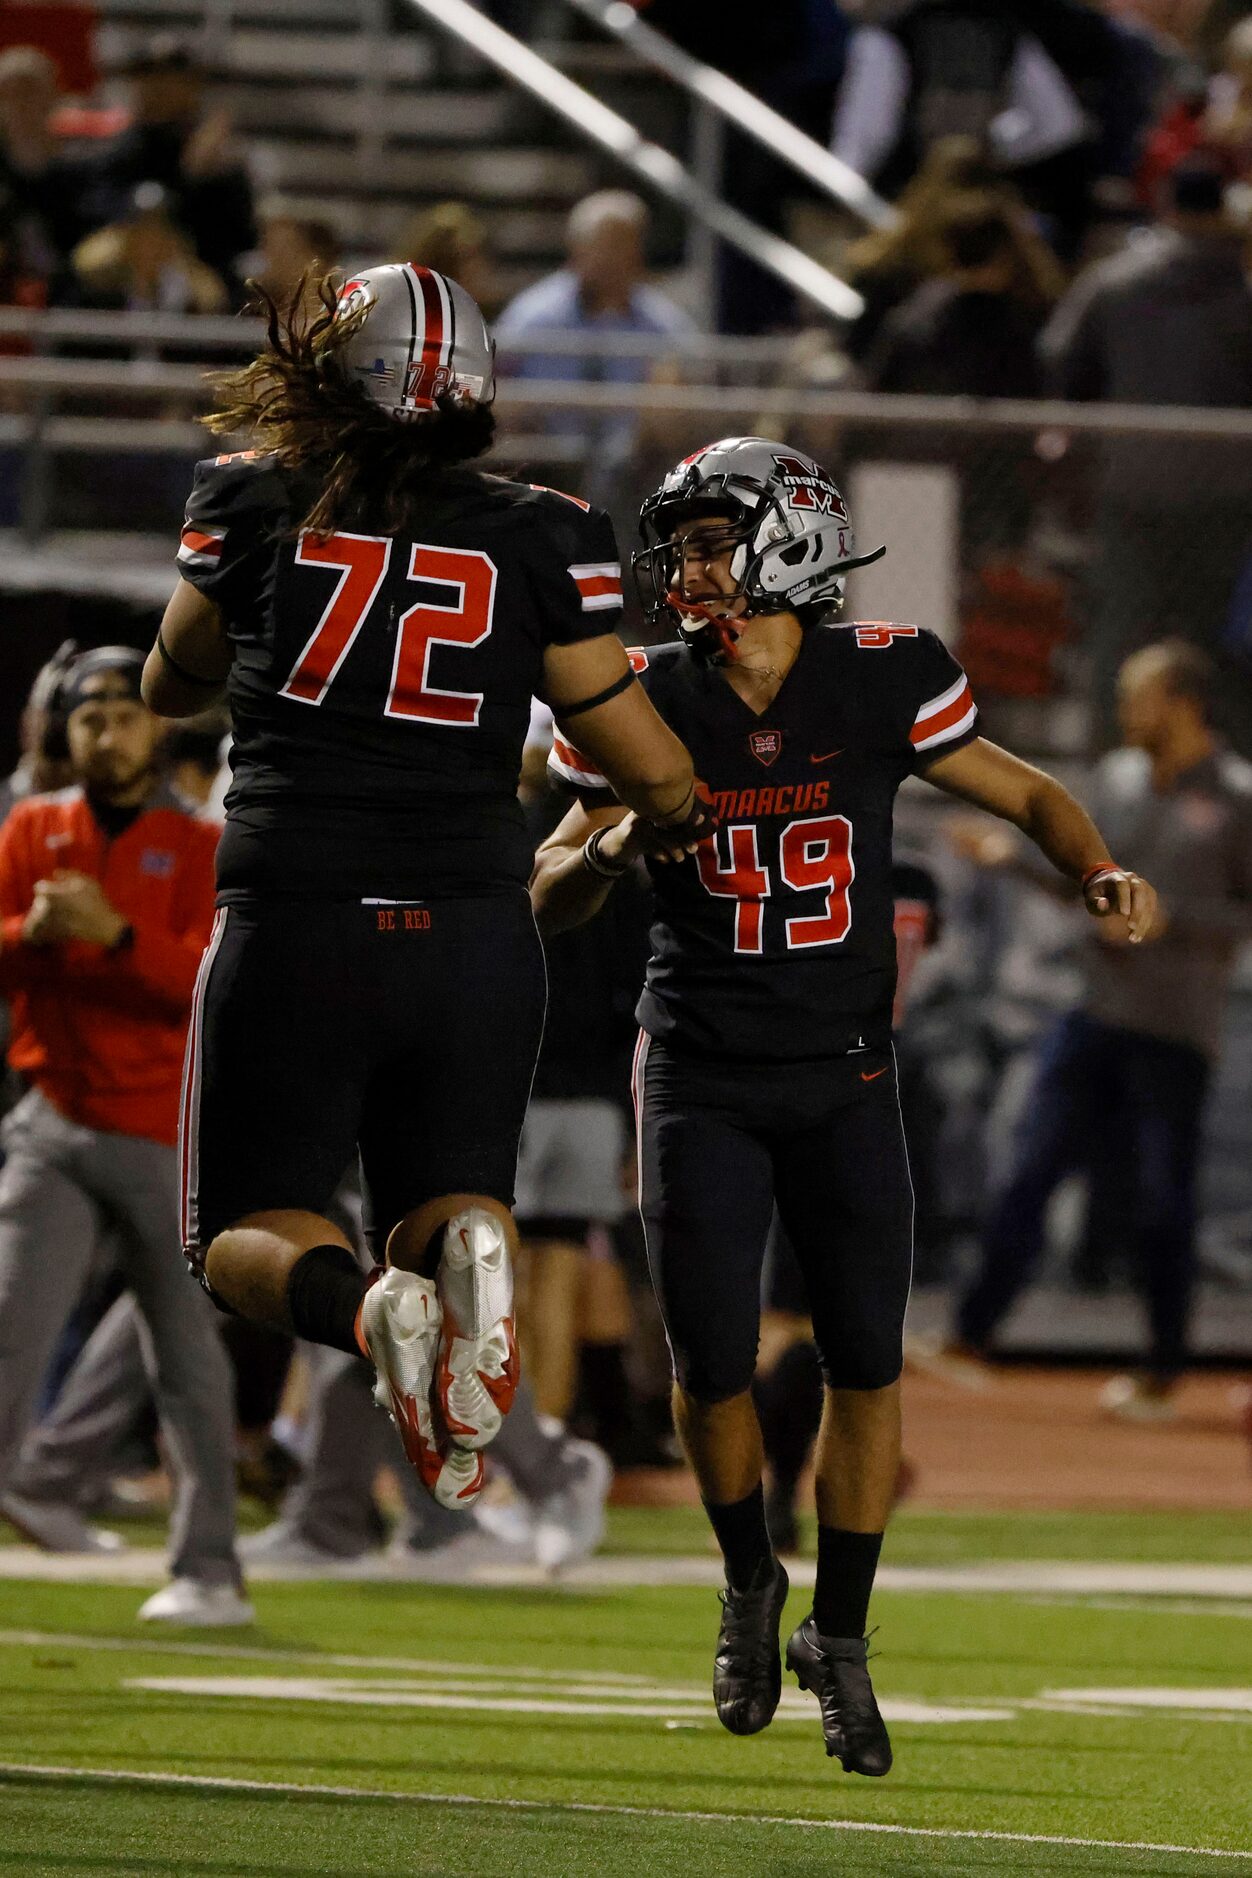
<point>814,855</point>
<point>464,618</point>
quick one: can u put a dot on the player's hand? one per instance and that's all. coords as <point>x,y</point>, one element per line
<point>208,150</point>
<point>623,842</point>
<point>37,926</point>
<point>675,840</point>
<point>75,907</point>
<point>1116,891</point>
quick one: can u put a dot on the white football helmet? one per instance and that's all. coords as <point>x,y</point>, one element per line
<point>423,339</point>
<point>788,528</point>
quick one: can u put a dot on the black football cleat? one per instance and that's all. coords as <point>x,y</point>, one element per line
<point>747,1672</point>
<point>833,1669</point>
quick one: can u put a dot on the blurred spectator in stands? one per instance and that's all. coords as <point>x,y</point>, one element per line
<point>20,285</point>
<point>576,1320</point>
<point>1168,322</point>
<point>44,187</point>
<point>1059,93</point>
<point>193,759</point>
<point>174,141</point>
<point>1226,128</point>
<point>973,332</point>
<point>1204,116</point>
<point>602,292</point>
<point>145,262</point>
<point>1124,1078</point>
<point>886,265</point>
<point>44,759</point>
<point>969,332</point>
<point>452,240</point>
<point>290,245</point>
<point>794,63</point>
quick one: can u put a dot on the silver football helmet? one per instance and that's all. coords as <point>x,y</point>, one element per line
<point>422,340</point>
<point>788,530</point>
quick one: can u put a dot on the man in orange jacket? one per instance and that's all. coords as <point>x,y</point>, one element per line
<point>106,901</point>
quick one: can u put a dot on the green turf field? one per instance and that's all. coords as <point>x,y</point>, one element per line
<point>603,1755</point>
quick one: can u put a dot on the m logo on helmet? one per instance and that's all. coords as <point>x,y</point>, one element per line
<point>765,745</point>
<point>808,487</point>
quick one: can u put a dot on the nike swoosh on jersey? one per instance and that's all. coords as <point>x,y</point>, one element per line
<point>829,756</point>
<point>873,1075</point>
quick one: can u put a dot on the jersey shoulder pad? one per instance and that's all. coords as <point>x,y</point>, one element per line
<point>919,687</point>
<point>653,663</point>
<point>229,496</point>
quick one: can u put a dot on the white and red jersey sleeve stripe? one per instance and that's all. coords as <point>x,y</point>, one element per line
<point>197,549</point>
<point>945,718</point>
<point>599,584</point>
<point>571,766</point>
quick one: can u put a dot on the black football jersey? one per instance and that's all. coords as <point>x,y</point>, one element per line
<point>381,686</point>
<point>775,942</point>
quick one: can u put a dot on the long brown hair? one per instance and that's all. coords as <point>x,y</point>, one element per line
<point>296,400</point>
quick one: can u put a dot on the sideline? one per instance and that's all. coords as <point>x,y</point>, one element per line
<point>640,1571</point>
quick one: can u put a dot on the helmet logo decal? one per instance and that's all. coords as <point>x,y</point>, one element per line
<point>426,382</point>
<point>808,487</point>
<point>765,745</point>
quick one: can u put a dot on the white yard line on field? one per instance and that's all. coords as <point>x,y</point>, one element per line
<point>1024,1577</point>
<point>206,1783</point>
<point>312,1659</point>
<point>577,1698</point>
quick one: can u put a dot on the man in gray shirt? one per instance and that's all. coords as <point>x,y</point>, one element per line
<point>1166,322</point>
<point>1123,1078</point>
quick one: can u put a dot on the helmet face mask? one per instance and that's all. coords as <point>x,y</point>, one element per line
<point>783,522</point>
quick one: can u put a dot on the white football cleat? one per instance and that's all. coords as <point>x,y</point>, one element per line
<point>569,1524</point>
<point>201,1606</point>
<point>55,1526</point>
<point>400,1320</point>
<point>478,1363</point>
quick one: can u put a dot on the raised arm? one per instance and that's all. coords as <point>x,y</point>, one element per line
<point>993,779</point>
<point>188,666</point>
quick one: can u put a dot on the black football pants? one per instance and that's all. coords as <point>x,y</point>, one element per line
<point>319,1029</point>
<point>720,1143</point>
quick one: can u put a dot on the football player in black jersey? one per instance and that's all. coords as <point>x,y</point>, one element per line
<point>765,1071</point>
<point>381,612</point>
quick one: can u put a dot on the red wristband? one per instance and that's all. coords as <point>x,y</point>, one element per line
<point>1094,873</point>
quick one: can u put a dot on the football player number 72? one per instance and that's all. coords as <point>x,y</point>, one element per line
<point>462,616</point>
<point>814,855</point>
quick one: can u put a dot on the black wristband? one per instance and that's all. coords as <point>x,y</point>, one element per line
<point>614,690</point>
<point>125,940</point>
<point>594,861</point>
<point>699,820</point>
<point>180,671</point>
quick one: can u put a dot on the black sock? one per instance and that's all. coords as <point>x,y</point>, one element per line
<point>846,1563</point>
<point>324,1292</point>
<point>789,1405</point>
<point>743,1536</point>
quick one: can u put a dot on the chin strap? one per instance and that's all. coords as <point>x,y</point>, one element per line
<point>726,633</point>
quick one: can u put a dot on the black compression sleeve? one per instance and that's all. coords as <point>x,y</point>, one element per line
<point>614,690</point>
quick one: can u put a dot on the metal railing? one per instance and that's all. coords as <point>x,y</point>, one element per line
<point>654,167</point>
<point>721,101</point>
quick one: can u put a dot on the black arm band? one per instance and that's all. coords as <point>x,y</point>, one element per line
<point>614,690</point>
<point>180,671</point>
